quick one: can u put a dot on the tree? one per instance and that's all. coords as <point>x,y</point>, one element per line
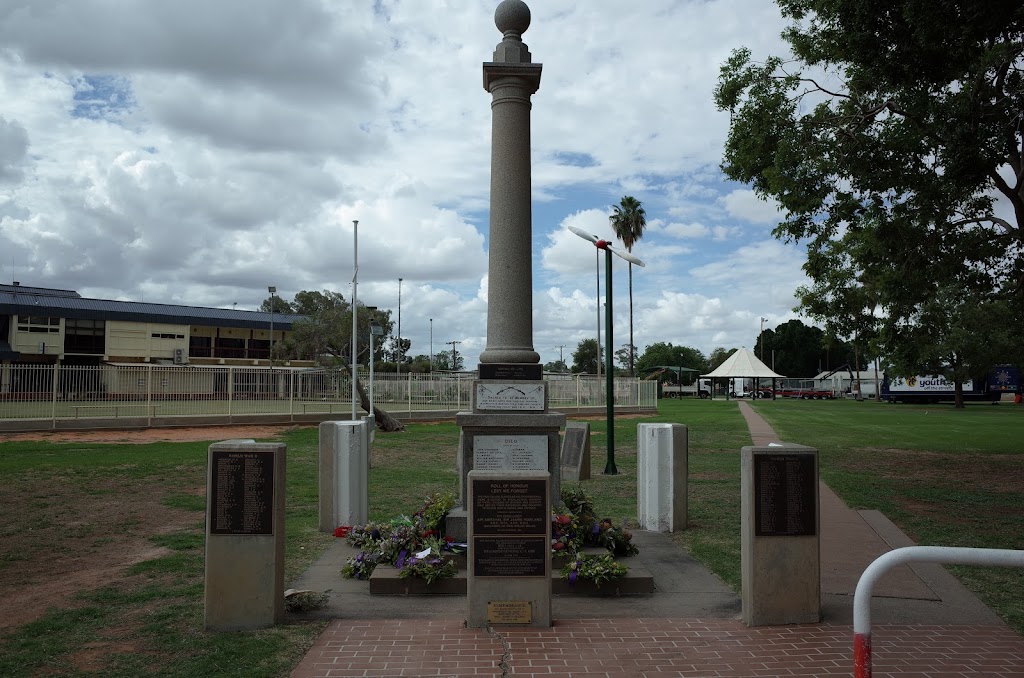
<point>325,333</point>
<point>585,358</point>
<point>449,361</point>
<point>718,356</point>
<point>629,220</point>
<point>626,356</point>
<point>661,353</point>
<point>278,304</point>
<point>558,366</point>
<point>887,142</point>
<point>959,334</point>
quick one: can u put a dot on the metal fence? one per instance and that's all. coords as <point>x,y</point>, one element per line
<point>69,392</point>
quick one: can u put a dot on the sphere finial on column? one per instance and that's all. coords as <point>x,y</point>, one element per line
<point>512,17</point>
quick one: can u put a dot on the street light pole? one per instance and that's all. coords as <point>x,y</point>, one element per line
<point>431,345</point>
<point>375,331</point>
<point>272,289</point>
<point>760,339</point>
<point>609,468</point>
<point>398,358</point>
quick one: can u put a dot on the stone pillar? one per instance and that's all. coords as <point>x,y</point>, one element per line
<point>511,79</point>
<point>661,477</point>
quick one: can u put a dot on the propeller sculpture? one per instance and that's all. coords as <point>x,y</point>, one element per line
<point>609,467</point>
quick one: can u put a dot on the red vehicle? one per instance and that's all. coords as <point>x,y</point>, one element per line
<point>802,393</point>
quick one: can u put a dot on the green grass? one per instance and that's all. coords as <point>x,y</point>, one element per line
<point>944,476</point>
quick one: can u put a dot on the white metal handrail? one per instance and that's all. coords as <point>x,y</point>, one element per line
<point>946,555</point>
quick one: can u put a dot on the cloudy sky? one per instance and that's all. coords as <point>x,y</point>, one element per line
<point>196,152</point>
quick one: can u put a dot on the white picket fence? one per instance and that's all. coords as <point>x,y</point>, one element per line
<point>63,392</point>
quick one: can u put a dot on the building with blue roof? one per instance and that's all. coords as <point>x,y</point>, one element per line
<point>53,326</point>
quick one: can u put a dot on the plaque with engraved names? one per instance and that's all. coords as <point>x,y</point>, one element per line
<point>510,453</point>
<point>510,507</point>
<point>242,492</point>
<point>785,494</point>
<point>510,556</point>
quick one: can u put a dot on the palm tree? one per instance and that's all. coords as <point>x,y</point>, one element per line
<point>628,220</point>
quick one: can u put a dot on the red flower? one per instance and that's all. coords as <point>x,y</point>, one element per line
<point>342,530</point>
<point>449,539</point>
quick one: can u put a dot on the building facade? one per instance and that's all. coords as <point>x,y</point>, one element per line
<point>44,326</point>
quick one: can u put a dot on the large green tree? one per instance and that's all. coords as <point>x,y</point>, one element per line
<point>325,334</point>
<point>662,353</point>
<point>629,220</point>
<point>585,358</point>
<point>893,143</point>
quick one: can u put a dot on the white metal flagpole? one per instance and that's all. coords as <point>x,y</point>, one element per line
<point>355,314</point>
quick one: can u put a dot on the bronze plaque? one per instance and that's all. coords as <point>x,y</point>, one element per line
<point>509,612</point>
<point>527,371</point>
<point>505,506</point>
<point>242,492</point>
<point>785,492</point>
<point>511,556</point>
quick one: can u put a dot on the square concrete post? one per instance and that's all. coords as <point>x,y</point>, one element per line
<point>661,477</point>
<point>344,474</point>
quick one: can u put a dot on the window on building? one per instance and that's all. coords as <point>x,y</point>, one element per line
<point>39,324</point>
<point>200,347</point>
<point>84,336</point>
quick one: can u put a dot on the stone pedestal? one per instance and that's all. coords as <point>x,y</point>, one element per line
<point>780,558</point>
<point>344,473</point>
<point>661,477</point>
<point>501,442</point>
<point>245,499</point>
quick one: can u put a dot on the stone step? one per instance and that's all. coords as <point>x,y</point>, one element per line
<point>385,581</point>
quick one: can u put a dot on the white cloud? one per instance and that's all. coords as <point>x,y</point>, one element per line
<point>196,152</point>
<point>744,204</point>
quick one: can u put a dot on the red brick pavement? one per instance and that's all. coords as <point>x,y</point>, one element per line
<point>592,648</point>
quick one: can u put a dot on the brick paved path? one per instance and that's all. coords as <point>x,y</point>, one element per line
<point>592,648</point>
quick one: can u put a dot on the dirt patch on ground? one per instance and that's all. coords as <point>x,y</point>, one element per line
<point>152,435</point>
<point>64,534</point>
<point>994,472</point>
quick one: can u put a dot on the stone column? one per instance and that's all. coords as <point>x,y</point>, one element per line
<point>511,79</point>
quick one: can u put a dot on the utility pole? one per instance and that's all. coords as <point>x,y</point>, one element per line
<point>561,358</point>
<point>454,354</point>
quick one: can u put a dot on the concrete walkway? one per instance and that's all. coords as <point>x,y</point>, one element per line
<point>925,622</point>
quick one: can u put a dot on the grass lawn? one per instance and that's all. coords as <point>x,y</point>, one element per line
<point>946,477</point>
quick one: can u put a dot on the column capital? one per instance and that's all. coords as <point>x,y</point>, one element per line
<point>529,73</point>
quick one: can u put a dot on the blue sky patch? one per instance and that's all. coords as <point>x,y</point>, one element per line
<point>102,97</point>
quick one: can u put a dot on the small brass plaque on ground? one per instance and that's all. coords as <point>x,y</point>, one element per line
<point>509,612</point>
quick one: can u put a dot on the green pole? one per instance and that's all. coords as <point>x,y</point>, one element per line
<point>609,467</point>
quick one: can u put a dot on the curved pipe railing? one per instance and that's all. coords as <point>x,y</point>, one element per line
<point>946,555</point>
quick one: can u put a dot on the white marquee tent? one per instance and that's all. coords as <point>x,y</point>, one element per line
<point>742,364</point>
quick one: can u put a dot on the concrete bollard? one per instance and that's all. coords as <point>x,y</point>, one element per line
<point>344,474</point>
<point>661,478</point>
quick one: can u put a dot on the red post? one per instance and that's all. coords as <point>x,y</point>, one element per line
<point>861,655</point>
